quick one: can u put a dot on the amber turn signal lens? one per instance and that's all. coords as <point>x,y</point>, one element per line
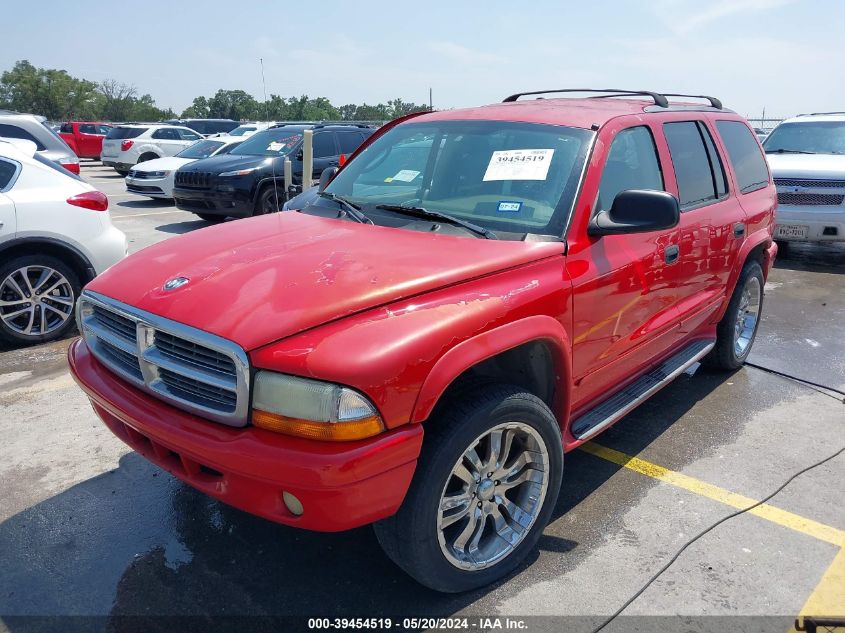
<point>325,431</point>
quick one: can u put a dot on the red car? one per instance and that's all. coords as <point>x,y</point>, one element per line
<point>475,293</point>
<point>85,137</point>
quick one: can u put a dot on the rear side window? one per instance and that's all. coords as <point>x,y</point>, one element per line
<point>631,164</point>
<point>349,141</point>
<point>13,131</point>
<point>697,184</point>
<point>324,145</point>
<point>746,158</point>
<point>126,132</point>
<point>8,169</point>
<point>67,128</point>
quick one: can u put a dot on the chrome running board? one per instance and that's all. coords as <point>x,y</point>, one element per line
<point>622,402</point>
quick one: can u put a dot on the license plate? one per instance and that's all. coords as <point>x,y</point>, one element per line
<point>791,230</point>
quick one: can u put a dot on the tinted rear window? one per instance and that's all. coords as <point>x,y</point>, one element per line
<point>744,152</point>
<point>126,132</point>
<point>692,164</point>
<point>7,171</point>
<point>13,131</point>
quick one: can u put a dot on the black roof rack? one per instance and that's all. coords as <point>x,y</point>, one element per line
<point>659,98</point>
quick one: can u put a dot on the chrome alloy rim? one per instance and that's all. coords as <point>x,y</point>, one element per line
<point>271,203</point>
<point>493,496</point>
<point>35,300</point>
<point>746,316</point>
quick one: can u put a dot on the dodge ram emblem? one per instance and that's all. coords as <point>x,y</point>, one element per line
<point>176,282</point>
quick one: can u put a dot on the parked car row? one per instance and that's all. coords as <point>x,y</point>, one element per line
<point>127,145</point>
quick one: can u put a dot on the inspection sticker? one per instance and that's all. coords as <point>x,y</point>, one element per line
<point>519,164</point>
<point>509,206</point>
<point>406,175</point>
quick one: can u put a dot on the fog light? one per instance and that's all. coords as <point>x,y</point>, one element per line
<point>292,503</point>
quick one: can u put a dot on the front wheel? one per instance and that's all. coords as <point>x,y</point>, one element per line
<point>737,330</point>
<point>211,218</point>
<point>485,487</point>
<point>269,201</point>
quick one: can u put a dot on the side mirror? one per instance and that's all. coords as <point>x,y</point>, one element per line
<point>326,177</point>
<point>637,211</point>
<point>299,155</point>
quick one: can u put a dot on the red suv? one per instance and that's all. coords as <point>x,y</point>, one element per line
<point>475,293</point>
<point>85,138</point>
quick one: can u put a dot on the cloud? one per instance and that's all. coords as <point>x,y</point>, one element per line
<point>684,16</point>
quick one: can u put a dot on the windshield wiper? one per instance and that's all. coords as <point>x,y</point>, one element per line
<point>788,151</point>
<point>349,208</point>
<point>421,212</point>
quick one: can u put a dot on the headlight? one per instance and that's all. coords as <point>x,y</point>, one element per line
<point>239,172</point>
<point>312,409</point>
<point>158,174</point>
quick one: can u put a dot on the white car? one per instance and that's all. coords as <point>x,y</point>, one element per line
<point>154,178</point>
<point>126,145</point>
<point>55,236</point>
<point>807,157</point>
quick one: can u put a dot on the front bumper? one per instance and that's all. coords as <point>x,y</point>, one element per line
<point>821,224</point>
<point>235,204</point>
<point>147,187</point>
<point>340,485</point>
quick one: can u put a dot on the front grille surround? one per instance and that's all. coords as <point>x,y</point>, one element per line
<point>193,370</point>
<point>810,199</point>
<point>193,179</point>
<point>810,183</point>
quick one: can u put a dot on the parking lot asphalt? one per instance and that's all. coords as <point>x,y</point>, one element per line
<point>89,528</point>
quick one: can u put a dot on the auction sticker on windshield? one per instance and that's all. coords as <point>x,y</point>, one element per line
<point>519,164</point>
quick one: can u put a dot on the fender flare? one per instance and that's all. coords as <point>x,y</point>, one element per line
<point>763,236</point>
<point>490,343</point>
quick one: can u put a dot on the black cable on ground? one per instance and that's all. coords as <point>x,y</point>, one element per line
<point>708,529</point>
<point>809,383</point>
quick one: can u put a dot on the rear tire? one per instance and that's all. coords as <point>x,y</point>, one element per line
<point>123,172</point>
<point>783,248</point>
<point>478,502</point>
<point>211,218</point>
<point>737,330</point>
<point>37,293</point>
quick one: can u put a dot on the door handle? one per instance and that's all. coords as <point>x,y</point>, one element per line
<point>739,229</point>
<point>671,254</point>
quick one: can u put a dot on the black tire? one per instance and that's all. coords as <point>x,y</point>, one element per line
<point>724,355</point>
<point>783,248</point>
<point>143,158</point>
<point>9,331</point>
<point>410,537</point>
<point>264,201</point>
<point>211,218</point>
<point>122,172</point>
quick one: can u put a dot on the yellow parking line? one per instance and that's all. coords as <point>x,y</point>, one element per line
<point>770,513</point>
<point>828,598</point>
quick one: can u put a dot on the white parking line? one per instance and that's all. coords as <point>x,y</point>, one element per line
<point>138,215</point>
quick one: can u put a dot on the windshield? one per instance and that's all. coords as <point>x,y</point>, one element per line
<point>242,129</point>
<point>510,177</point>
<point>816,137</point>
<point>200,149</point>
<point>275,142</point>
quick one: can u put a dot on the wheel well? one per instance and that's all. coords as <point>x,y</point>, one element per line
<point>758,253</point>
<point>147,156</point>
<point>69,256</point>
<point>530,366</point>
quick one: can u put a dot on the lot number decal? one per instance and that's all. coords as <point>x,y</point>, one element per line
<point>519,164</point>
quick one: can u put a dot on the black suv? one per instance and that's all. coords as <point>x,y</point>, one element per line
<point>241,184</point>
<point>207,127</point>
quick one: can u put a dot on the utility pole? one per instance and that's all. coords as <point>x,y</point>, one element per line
<point>430,100</point>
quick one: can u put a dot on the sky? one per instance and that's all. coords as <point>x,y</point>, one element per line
<point>781,55</point>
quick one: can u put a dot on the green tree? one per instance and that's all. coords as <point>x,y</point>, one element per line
<point>47,91</point>
<point>197,110</point>
<point>233,104</point>
<point>118,100</point>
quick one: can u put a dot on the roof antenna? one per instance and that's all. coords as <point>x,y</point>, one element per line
<point>267,115</point>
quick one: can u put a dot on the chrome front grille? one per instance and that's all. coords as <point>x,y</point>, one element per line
<point>807,182</point>
<point>188,368</point>
<point>811,199</point>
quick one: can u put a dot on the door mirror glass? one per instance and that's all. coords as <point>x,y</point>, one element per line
<point>637,211</point>
<point>326,177</point>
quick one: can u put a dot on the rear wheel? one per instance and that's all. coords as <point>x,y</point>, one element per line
<point>738,328</point>
<point>269,201</point>
<point>209,217</point>
<point>485,487</point>
<point>37,297</point>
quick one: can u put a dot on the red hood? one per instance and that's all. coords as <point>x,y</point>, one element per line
<point>259,280</point>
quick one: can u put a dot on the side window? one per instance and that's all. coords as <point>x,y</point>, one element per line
<point>720,180</point>
<point>748,163</point>
<point>103,129</point>
<point>8,169</point>
<point>324,145</point>
<point>696,184</point>
<point>87,128</point>
<point>166,134</point>
<point>13,131</point>
<point>631,164</point>
<point>66,128</point>
<point>349,141</point>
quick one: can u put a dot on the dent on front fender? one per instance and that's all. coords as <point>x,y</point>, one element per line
<point>390,353</point>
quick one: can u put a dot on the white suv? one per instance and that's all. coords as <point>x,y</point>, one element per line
<point>55,236</point>
<point>127,145</point>
<point>807,158</point>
